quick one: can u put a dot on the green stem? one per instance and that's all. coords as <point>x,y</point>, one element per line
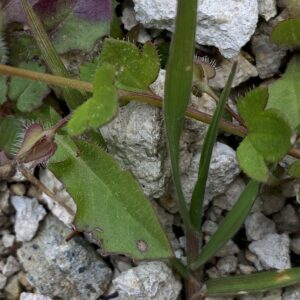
<point>145,97</point>
<point>148,98</point>
<point>49,53</point>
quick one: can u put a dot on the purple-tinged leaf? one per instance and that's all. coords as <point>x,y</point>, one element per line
<point>72,24</point>
<point>38,145</point>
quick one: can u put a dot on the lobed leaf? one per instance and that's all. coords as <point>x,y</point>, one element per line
<point>285,93</point>
<point>287,33</point>
<point>231,224</point>
<point>294,169</point>
<point>99,109</point>
<point>251,161</point>
<point>27,93</point>
<point>257,282</point>
<point>110,204</point>
<point>270,135</point>
<point>253,102</point>
<point>137,69</point>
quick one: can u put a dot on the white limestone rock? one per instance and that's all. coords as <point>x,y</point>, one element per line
<point>55,186</point>
<point>295,243</point>
<point>134,138</point>
<point>11,267</point>
<point>287,220</point>
<point>227,264</point>
<point>29,214</point>
<point>222,172</point>
<point>149,281</point>
<point>128,18</point>
<point>30,296</point>
<point>273,251</point>
<point>230,197</point>
<point>273,295</point>
<point>291,293</point>
<point>267,9</point>
<point>268,56</point>
<point>63,269</point>
<point>3,280</point>
<point>227,27</point>
<point>245,70</point>
<point>257,226</point>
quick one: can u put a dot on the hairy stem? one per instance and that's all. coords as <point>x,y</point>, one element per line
<point>149,98</point>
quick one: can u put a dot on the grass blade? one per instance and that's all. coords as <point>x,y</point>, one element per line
<point>178,87</point>
<point>230,225</point>
<point>52,59</point>
<point>210,139</point>
<point>257,282</point>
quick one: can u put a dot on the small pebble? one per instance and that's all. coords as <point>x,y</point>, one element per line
<point>3,280</point>
<point>227,265</point>
<point>18,189</point>
<point>11,267</point>
<point>30,296</point>
<point>8,240</point>
<point>13,288</point>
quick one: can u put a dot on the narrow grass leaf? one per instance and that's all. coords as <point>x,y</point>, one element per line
<point>178,87</point>
<point>206,152</point>
<point>110,203</point>
<point>230,225</point>
<point>257,282</point>
<point>72,97</point>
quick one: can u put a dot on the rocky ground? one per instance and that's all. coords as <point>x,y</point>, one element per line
<point>36,261</point>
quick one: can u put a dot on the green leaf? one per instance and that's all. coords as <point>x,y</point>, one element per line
<point>270,135</point>
<point>88,70</point>
<point>231,224</point>
<point>27,93</point>
<point>137,69</point>
<point>110,203</point>
<point>51,57</point>
<point>3,89</point>
<point>287,33</point>
<point>178,86</point>
<point>257,282</point>
<point>11,129</point>
<point>206,153</point>
<point>285,93</point>
<point>99,109</point>
<point>294,169</point>
<point>252,162</point>
<point>253,102</point>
